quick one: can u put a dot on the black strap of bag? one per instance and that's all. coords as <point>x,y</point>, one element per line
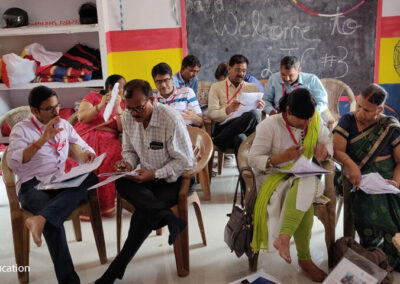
<point>248,204</point>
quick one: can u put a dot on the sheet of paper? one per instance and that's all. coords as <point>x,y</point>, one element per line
<point>250,99</point>
<point>132,173</point>
<point>260,275</point>
<point>249,102</point>
<point>111,103</point>
<point>347,272</point>
<point>74,182</point>
<point>81,169</point>
<point>305,168</point>
<point>374,183</point>
<point>113,177</point>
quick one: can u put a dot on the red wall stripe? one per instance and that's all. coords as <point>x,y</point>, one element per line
<point>378,41</point>
<point>390,26</point>
<point>149,39</point>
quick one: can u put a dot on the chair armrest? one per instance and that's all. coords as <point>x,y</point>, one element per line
<point>208,123</point>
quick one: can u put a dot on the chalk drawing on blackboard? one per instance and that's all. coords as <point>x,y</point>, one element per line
<point>396,58</point>
<point>328,15</point>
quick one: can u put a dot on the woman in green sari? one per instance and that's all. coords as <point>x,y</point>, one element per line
<point>284,205</point>
<point>367,141</point>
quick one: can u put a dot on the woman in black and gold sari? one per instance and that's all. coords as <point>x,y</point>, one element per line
<point>367,141</point>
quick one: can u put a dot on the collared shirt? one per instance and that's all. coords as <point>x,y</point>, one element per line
<point>181,100</point>
<point>48,160</point>
<point>163,147</point>
<point>180,83</point>
<point>217,97</point>
<point>273,90</point>
<point>251,79</point>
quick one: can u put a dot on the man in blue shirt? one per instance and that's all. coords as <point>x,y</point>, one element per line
<point>186,78</point>
<point>290,78</point>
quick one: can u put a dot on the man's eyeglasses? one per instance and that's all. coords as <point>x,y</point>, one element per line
<point>138,108</point>
<point>166,81</point>
<point>239,70</point>
<point>51,108</point>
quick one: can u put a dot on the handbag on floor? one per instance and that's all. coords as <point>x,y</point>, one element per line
<point>239,229</point>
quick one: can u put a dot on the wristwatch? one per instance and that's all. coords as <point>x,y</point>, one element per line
<point>269,165</point>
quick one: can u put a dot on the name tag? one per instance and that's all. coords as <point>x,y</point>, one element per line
<point>154,145</point>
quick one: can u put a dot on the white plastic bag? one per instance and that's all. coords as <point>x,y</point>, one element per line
<point>17,70</point>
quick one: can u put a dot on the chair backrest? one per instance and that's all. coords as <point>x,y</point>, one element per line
<point>243,161</point>
<point>9,182</point>
<point>202,92</point>
<point>202,147</point>
<point>335,89</point>
<point>14,116</point>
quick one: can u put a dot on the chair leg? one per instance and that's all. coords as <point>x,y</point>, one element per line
<point>119,222</point>
<point>21,247</point>
<point>97,226</point>
<point>253,262</point>
<point>210,165</point>
<point>181,250</point>
<point>77,227</point>
<point>339,209</point>
<point>196,205</point>
<point>220,162</point>
<point>205,183</point>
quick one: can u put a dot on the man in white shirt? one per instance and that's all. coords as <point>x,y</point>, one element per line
<point>38,150</point>
<point>183,100</point>
<point>154,136</point>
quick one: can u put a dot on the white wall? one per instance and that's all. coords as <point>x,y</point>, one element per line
<point>142,14</point>
<point>390,8</point>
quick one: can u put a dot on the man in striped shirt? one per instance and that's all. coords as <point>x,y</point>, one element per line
<point>183,100</point>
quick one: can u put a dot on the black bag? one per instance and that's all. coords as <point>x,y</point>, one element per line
<point>239,230</point>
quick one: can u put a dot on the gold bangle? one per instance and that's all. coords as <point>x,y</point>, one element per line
<point>97,109</point>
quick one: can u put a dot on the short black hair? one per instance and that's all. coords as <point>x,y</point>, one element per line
<point>300,102</point>
<point>137,85</point>
<point>39,94</point>
<point>190,61</point>
<point>290,62</point>
<point>110,82</point>
<point>222,70</point>
<point>238,59</point>
<point>375,94</point>
<point>161,69</point>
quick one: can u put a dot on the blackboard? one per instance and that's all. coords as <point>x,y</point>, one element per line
<point>341,46</point>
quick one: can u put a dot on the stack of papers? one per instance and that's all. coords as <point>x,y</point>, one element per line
<point>113,177</point>
<point>305,168</point>
<point>249,102</point>
<point>374,183</point>
<point>74,177</point>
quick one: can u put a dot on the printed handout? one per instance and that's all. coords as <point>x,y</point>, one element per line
<point>305,168</point>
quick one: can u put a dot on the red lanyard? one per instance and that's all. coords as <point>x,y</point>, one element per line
<point>180,79</point>
<point>170,102</point>
<point>283,89</point>
<point>55,145</point>
<point>290,130</point>
<point>228,101</point>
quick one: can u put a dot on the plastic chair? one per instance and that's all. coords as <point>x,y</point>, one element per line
<point>202,148</point>
<point>19,215</point>
<point>12,117</point>
<point>324,212</point>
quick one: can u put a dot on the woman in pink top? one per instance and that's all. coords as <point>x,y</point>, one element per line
<point>102,136</point>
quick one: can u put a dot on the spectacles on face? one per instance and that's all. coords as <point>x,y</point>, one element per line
<point>51,109</point>
<point>137,109</point>
<point>240,70</point>
<point>160,82</point>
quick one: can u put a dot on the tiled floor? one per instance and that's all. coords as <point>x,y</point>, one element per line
<point>155,262</point>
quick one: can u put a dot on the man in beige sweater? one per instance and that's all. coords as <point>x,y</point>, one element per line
<point>224,100</point>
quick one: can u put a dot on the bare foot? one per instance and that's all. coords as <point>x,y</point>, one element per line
<point>35,225</point>
<point>282,244</point>
<point>312,271</point>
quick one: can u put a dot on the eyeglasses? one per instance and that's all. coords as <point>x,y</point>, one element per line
<point>166,81</point>
<point>239,70</point>
<point>51,108</point>
<point>137,109</point>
